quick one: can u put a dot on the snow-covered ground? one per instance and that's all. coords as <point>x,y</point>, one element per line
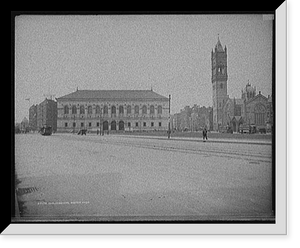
<point>128,178</point>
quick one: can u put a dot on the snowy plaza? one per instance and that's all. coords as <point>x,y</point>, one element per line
<point>128,178</point>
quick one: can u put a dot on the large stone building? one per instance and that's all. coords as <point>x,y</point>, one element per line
<point>250,109</point>
<point>47,114</point>
<point>112,110</point>
<point>43,114</point>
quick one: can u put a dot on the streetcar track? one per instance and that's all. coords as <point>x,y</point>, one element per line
<point>220,153</point>
<point>199,152</point>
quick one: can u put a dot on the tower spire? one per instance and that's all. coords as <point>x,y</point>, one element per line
<point>219,47</point>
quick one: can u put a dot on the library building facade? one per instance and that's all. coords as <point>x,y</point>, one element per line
<point>112,110</point>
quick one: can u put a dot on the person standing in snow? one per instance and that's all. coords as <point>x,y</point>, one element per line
<point>204,134</point>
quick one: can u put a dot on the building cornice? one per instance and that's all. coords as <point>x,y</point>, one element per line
<point>111,100</point>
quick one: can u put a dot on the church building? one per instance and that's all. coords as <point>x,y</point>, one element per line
<point>112,110</point>
<point>251,109</point>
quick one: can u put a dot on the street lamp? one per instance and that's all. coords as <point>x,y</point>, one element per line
<point>100,121</point>
<point>169,128</point>
<point>74,124</point>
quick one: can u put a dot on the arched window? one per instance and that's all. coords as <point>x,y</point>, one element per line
<point>136,109</point>
<point>144,109</point>
<point>121,110</point>
<point>66,110</point>
<point>105,110</point>
<point>113,110</point>
<point>90,110</point>
<point>81,110</point>
<point>128,109</point>
<point>259,114</point>
<point>159,109</point>
<point>221,86</point>
<point>152,109</point>
<point>74,110</point>
<point>97,109</point>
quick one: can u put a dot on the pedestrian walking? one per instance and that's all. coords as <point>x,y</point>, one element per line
<point>204,134</point>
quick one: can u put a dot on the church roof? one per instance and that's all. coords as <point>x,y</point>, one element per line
<point>256,97</point>
<point>113,95</point>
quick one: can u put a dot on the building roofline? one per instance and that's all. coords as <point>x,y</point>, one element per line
<point>83,95</point>
<point>257,96</point>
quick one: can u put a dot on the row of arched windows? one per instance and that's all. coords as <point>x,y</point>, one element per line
<point>73,109</point>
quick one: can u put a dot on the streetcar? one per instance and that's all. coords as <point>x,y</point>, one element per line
<point>47,130</point>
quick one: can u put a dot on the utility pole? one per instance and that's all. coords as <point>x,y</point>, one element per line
<point>169,128</point>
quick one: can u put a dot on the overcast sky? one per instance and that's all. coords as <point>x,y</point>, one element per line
<point>171,53</point>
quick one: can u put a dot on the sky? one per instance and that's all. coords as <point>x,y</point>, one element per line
<point>55,54</point>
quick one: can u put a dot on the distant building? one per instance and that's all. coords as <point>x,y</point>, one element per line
<point>47,114</point>
<point>33,118</point>
<point>17,127</point>
<point>250,109</point>
<point>192,118</point>
<point>112,110</point>
<point>24,127</point>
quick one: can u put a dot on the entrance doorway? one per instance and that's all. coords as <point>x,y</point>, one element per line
<point>105,125</point>
<point>113,125</point>
<point>121,125</point>
<point>234,126</point>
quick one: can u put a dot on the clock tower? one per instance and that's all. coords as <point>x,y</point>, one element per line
<point>219,82</point>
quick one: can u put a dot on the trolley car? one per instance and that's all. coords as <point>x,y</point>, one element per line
<point>46,130</point>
